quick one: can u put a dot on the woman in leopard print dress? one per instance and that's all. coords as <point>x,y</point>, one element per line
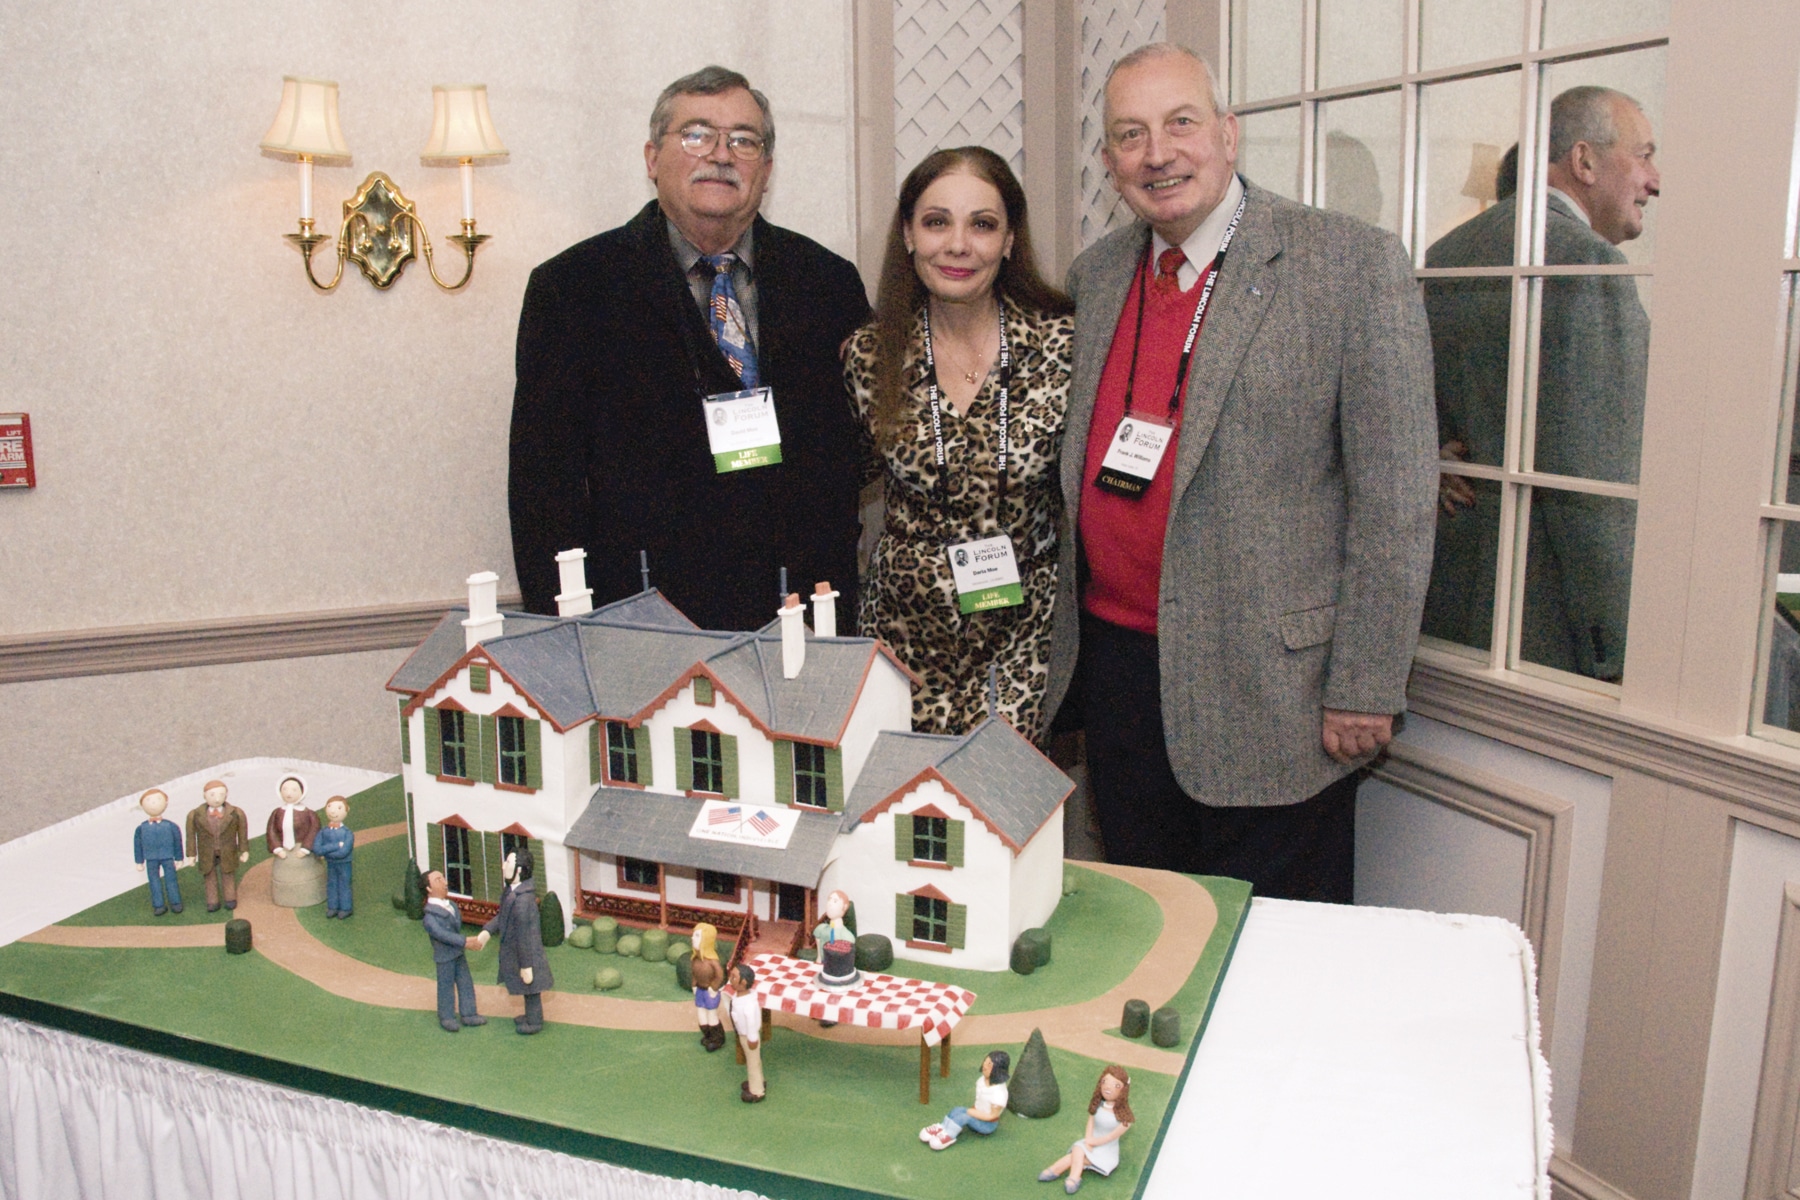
<point>959,270</point>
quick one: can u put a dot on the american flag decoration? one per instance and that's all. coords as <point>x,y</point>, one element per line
<point>763,823</point>
<point>724,816</point>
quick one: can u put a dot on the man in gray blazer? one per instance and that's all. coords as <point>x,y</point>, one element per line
<point>1245,622</point>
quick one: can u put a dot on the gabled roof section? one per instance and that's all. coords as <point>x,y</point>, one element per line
<point>654,826</point>
<point>546,665</point>
<point>443,647</point>
<point>992,768</point>
<point>816,704</point>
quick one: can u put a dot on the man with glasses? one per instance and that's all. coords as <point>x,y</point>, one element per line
<point>1252,557</point>
<point>679,389</point>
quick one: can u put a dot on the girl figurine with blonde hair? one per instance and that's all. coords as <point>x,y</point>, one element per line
<point>1109,1116</point>
<point>709,977</point>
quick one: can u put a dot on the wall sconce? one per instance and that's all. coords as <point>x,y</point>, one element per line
<point>380,231</point>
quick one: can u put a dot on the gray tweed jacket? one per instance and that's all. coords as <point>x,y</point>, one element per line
<point>1300,529</point>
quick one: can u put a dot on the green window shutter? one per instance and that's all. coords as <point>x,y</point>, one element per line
<point>903,914</point>
<point>492,864</point>
<point>405,733</point>
<point>434,844</point>
<point>684,760</point>
<point>534,755</point>
<point>728,756</point>
<point>640,737</point>
<point>834,779</point>
<point>434,743</point>
<point>959,925</point>
<point>536,846</point>
<point>903,846</point>
<point>489,756</point>
<point>784,772</point>
<point>478,677</point>
<point>955,856</point>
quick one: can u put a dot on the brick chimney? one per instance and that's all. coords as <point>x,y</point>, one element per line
<point>824,602</point>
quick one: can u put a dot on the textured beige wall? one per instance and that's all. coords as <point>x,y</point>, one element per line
<point>213,438</point>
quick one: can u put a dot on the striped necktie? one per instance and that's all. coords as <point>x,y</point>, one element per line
<point>726,318</point>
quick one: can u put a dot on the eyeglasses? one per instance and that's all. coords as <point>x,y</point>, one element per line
<point>699,139</point>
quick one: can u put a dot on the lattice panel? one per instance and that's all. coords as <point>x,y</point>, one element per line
<point>958,79</point>
<point>1109,30</point>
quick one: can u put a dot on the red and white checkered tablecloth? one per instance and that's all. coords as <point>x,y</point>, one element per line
<point>877,1001</point>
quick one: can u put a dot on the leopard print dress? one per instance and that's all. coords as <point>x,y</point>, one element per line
<point>909,598</point>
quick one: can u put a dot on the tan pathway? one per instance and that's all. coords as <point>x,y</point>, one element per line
<point>1189,916</point>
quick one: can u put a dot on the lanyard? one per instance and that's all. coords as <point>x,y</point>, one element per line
<point>1187,347</point>
<point>937,418</point>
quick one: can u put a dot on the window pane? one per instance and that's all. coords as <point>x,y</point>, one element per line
<point>1781,692</point>
<point>1359,163</point>
<point>1569,21</point>
<point>1610,217</point>
<point>1465,131</point>
<point>1360,40</point>
<point>1265,49</point>
<point>1788,471</point>
<point>1453,32</point>
<point>1459,607</point>
<point>1471,332</point>
<point>1577,582</point>
<point>1269,150</point>
<point>1593,350</point>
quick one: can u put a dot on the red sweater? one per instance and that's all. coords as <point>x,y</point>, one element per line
<point>1123,537</point>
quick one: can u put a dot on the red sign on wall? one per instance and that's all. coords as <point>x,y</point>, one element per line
<point>15,451</point>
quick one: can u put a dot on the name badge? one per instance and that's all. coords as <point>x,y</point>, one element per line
<point>741,429</point>
<point>1131,461</point>
<point>986,574</point>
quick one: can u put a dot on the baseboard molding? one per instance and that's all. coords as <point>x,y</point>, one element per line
<point>1570,1182</point>
<point>72,653</point>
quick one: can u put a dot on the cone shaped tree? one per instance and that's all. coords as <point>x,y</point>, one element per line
<point>1032,1091</point>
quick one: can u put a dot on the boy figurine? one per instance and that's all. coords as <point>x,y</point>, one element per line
<point>455,986</point>
<point>333,845</point>
<point>523,968</point>
<point>157,847</point>
<point>218,837</point>
<point>747,1015</point>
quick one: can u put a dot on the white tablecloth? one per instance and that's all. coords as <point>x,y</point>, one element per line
<point>1353,1052</point>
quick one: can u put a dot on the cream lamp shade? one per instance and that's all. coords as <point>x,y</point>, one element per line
<point>306,125</point>
<point>461,129</point>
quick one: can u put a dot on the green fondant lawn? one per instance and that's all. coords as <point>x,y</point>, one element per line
<point>846,1114</point>
<point>1194,1000</point>
<point>383,804</point>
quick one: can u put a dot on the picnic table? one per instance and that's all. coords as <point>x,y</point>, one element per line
<point>875,1001</point>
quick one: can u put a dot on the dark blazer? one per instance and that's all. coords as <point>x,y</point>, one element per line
<point>1299,537</point>
<point>521,940</point>
<point>609,446</point>
<point>448,942</point>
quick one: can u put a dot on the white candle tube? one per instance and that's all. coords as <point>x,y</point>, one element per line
<point>305,188</point>
<point>468,182</point>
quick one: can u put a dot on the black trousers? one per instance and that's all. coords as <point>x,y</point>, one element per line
<point>1297,851</point>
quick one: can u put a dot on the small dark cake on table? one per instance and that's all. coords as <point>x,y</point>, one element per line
<point>837,965</point>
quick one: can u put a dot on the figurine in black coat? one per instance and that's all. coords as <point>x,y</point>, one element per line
<point>523,968</point>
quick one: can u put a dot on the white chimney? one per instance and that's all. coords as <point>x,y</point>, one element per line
<point>484,620</point>
<point>576,596</point>
<point>793,636</point>
<point>824,602</point>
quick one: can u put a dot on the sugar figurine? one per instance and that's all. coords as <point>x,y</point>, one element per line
<point>1109,1116</point>
<point>291,825</point>
<point>523,968</point>
<point>709,976</point>
<point>157,847</point>
<point>747,1016</point>
<point>334,844</point>
<point>455,986</point>
<point>218,838</point>
<point>984,1116</point>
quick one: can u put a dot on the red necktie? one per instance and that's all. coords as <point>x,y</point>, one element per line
<point>1168,263</point>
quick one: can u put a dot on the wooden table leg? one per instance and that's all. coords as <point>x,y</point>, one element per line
<point>924,1071</point>
<point>944,1057</point>
<point>768,1023</point>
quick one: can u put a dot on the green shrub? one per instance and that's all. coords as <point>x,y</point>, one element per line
<point>1032,1090</point>
<point>550,919</point>
<point>684,972</point>
<point>874,952</point>
<point>1039,941</point>
<point>1136,1020</point>
<point>1165,1026</point>
<point>655,946</point>
<point>606,935</point>
<point>608,978</point>
<point>582,937</point>
<point>237,936</point>
<point>680,948</point>
<point>1024,959</point>
<point>630,945</point>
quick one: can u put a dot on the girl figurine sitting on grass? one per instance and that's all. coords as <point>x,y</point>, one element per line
<point>1109,1116</point>
<point>984,1117</point>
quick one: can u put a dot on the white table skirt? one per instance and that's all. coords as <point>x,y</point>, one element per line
<point>1355,1052</point>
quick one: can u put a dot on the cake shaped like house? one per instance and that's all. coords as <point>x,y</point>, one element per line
<point>665,775</point>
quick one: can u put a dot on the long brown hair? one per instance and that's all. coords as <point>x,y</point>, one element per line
<point>901,294</point>
<point>1121,1106</point>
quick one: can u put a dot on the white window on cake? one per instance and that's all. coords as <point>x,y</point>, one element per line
<point>809,776</point>
<point>621,753</point>
<point>512,752</point>
<point>459,864</point>
<point>453,743</point>
<point>928,837</point>
<point>929,920</point>
<point>706,761</point>
<point>639,874</point>
<point>718,885</point>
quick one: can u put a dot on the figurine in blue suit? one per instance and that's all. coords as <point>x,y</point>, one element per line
<point>455,986</point>
<point>333,844</point>
<point>157,848</point>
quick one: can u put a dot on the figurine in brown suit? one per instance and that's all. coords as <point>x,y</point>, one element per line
<point>218,837</point>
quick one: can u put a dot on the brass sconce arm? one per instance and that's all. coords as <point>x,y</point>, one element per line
<point>306,241</point>
<point>381,233</point>
<point>468,239</point>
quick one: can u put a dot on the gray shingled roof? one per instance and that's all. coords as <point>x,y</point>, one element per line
<point>615,661</point>
<point>654,827</point>
<point>993,766</point>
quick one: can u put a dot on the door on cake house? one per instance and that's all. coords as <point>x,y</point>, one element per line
<point>790,902</point>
